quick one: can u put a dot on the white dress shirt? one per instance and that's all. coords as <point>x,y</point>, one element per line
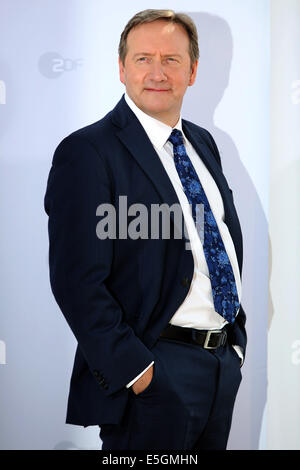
<point>197,310</point>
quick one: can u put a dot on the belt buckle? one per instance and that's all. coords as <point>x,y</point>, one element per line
<point>208,335</point>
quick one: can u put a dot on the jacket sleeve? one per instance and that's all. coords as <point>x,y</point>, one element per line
<point>80,264</point>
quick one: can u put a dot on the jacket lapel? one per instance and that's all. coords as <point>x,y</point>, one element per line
<point>210,162</point>
<point>230,215</point>
<point>133,136</point>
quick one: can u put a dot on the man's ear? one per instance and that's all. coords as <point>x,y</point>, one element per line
<point>121,71</point>
<point>193,73</point>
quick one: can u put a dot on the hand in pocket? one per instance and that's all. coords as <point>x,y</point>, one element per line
<point>144,381</point>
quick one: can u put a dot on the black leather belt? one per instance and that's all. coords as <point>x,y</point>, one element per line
<point>208,339</point>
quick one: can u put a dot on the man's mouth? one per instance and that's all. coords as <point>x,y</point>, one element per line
<point>157,90</point>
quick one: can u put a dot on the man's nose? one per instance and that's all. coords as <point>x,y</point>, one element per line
<point>157,72</point>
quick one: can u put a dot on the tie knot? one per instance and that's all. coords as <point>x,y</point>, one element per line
<point>176,137</point>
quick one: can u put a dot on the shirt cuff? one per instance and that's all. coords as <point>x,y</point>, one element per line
<point>239,352</point>
<point>140,375</point>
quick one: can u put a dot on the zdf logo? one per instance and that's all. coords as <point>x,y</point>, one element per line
<point>52,65</point>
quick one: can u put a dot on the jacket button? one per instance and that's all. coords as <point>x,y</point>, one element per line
<point>185,281</point>
<point>96,373</point>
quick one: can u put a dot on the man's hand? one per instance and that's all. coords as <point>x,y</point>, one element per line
<point>143,382</point>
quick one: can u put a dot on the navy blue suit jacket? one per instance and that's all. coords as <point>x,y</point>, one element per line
<point>118,294</point>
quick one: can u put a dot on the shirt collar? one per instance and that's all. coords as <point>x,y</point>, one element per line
<point>157,131</point>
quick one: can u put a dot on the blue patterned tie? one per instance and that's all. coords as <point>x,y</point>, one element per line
<point>222,280</point>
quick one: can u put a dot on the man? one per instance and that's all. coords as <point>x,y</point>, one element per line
<point>158,321</point>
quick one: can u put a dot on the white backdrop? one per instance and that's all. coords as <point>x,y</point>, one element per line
<point>58,72</point>
<point>283,410</point>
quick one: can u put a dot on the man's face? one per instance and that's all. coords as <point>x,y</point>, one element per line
<point>157,69</point>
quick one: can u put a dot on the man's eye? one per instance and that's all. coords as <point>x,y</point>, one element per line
<point>142,59</point>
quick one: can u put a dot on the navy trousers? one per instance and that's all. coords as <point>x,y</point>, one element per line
<point>188,404</point>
